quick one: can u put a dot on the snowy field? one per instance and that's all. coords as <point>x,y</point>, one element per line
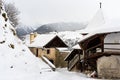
<point>60,74</point>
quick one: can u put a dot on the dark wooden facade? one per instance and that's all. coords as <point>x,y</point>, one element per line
<point>89,47</point>
<point>92,48</point>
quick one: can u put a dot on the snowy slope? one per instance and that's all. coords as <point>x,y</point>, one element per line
<point>15,58</point>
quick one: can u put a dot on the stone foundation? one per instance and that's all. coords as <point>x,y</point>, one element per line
<point>109,67</point>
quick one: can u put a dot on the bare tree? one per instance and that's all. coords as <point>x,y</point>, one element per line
<point>0,5</point>
<point>12,13</point>
<point>0,2</point>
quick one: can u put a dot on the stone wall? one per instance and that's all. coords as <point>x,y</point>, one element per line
<point>63,63</point>
<point>109,67</point>
<point>54,54</point>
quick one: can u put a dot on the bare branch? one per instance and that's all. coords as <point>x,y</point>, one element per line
<point>12,13</point>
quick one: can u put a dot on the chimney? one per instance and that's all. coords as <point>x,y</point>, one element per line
<point>35,34</point>
<point>100,5</point>
<point>32,37</point>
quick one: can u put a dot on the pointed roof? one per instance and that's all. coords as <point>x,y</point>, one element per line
<point>97,20</point>
<point>111,26</point>
<point>76,46</point>
<point>95,23</point>
<point>48,40</point>
<point>42,40</point>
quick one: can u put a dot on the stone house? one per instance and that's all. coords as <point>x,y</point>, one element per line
<point>46,45</point>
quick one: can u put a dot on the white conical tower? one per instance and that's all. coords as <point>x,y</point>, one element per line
<point>95,22</point>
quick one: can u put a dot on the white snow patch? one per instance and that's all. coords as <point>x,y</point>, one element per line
<point>76,47</point>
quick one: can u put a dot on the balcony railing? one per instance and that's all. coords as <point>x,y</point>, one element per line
<point>73,62</point>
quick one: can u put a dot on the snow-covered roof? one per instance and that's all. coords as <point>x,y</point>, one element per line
<point>63,49</point>
<point>87,36</point>
<point>110,26</point>
<point>42,39</point>
<point>96,22</point>
<point>48,40</point>
<point>76,47</point>
<point>99,25</point>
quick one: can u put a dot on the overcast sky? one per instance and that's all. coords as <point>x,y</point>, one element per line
<point>52,11</point>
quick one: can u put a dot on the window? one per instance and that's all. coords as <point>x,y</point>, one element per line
<point>48,51</point>
<point>37,52</point>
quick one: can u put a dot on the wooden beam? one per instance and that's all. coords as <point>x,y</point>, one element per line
<point>111,43</point>
<point>84,43</point>
<point>102,41</point>
<point>112,52</point>
<point>113,48</point>
<point>94,47</point>
<point>83,63</point>
<point>99,54</point>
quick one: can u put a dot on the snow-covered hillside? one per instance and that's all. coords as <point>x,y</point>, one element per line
<point>24,29</point>
<point>61,26</point>
<point>15,58</point>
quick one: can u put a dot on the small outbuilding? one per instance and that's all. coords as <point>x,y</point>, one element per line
<point>46,45</point>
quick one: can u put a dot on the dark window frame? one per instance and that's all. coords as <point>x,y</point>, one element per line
<point>48,51</point>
